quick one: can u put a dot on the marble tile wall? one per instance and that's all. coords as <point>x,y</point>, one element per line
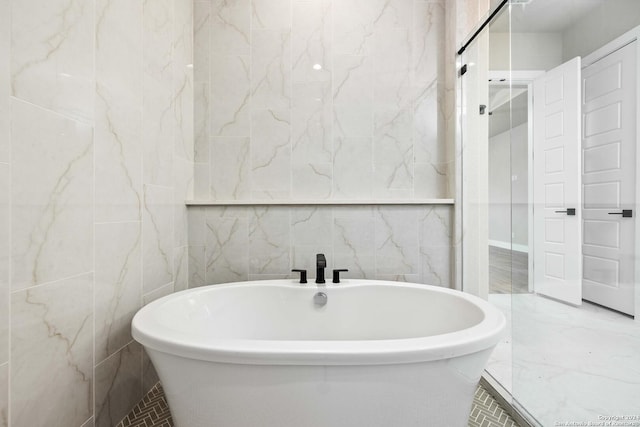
<point>96,160</point>
<point>320,99</point>
<point>405,243</point>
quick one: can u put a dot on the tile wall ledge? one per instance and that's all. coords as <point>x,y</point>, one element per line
<point>319,202</point>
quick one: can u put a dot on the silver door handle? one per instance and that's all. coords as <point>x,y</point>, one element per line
<point>626,213</point>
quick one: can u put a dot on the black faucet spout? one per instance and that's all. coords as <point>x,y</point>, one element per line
<point>321,264</point>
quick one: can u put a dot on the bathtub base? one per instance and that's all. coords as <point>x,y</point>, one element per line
<point>210,394</point>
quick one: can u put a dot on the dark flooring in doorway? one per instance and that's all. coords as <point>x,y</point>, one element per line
<point>153,411</point>
<point>508,271</point>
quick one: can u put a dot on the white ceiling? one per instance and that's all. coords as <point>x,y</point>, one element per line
<point>544,16</point>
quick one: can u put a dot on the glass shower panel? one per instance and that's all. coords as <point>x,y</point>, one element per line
<point>474,166</point>
<point>574,114</point>
<point>500,184</point>
<point>486,178</point>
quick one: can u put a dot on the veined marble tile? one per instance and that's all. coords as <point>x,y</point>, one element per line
<point>392,14</point>
<point>392,68</point>
<point>201,41</point>
<point>311,41</point>
<point>355,211</point>
<point>231,23</point>
<point>393,137</point>
<point>52,353</point>
<point>312,180</point>
<point>428,54</point>
<point>5,80</point>
<point>183,79</point>
<point>352,121</point>
<point>182,190</point>
<point>270,15</point>
<point>118,290</point>
<point>271,276</point>
<point>91,422</point>
<point>393,153</point>
<point>353,26</point>
<point>429,128</point>
<point>352,96</point>
<point>52,55</point>
<point>360,266</point>
<point>118,385</point>
<point>407,278</point>
<point>157,25</point>
<point>227,250</point>
<point>229,168</point>
<point>311,123</point>
<point>181,268</point>
<point>4,395</point>
<point>270,70</point>
<point>432,156</point>
<point>573,363</point>
<point>158,293</point>
<point>157,130</point>
<point>271,151</point>
<point>354,243</point>
<point>397,243</point>
<point>352,168</point>
<point>157,234</point>
<point>436,265</point>
<point>352,80</point>
<point>393,47</point>
<point>436,226</point>
<point>5,253</point>
<point>202,122</point>
<point>197,266</point>
<point>158,103</point>
<point>269,240</point>
<point>431,180</point>
<point>118,112</point>
<point>149,375</point>
<point>197,217</point>
<point>201,181</point>
<point>229,211</point>
<point>183,110</point>
<point>51,196</point>
<point>312,226</point>
<point>393,180</point>
<point>230,95</point>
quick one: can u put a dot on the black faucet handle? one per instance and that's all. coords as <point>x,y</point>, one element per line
<point>336,274</point>
<point>321,261</point>
<point>303,275</point>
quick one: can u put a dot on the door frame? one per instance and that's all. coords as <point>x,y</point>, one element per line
<point>609,48</point>
<point>524,78</point>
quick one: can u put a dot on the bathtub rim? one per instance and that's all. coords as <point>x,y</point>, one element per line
<point>479,337</point>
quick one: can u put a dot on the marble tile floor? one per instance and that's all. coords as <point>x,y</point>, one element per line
<point>565,363</point>
<point>153,411</point>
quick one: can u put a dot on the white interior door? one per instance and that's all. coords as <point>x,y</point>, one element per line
<point>609,153</point>
<point>556,186</point>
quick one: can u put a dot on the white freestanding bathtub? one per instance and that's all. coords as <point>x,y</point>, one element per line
<point>262,354</point>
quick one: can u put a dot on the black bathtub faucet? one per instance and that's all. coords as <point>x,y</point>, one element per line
<point>321,264</point>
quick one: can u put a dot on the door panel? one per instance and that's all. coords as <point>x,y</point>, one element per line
<point>608,155</point>
<point>556,187</point>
